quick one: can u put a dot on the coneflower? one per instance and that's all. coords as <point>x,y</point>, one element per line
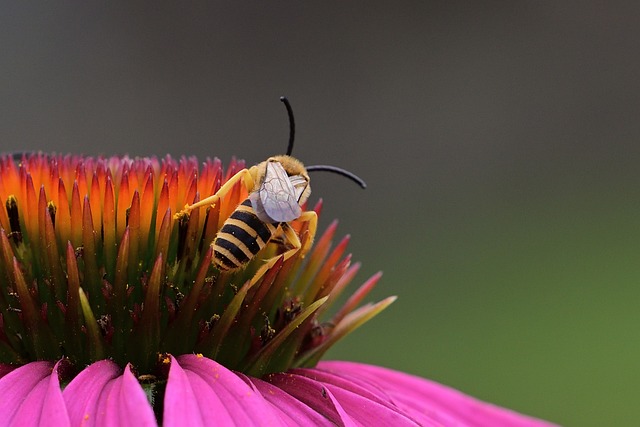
<point>112,312</point>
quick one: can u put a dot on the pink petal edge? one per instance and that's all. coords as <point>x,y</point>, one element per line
<point>212,392</point>
<point>31,396</point>
<point>123,402</point>
<point>342,405</point>
<point>428,400</point>
<point>102,395</point>
<point>292,411</point>
<point>54,411</point>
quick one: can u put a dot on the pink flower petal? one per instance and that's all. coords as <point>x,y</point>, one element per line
<point>426,400</point>
<point>200,391</point>
<point>17,384</point>
<point>31,396</point>
<point>54,411</point>
<point>124,402</point>
<point>83,392</point>
<point>341,405</point>
<point>292,411</point>
<point>313,395</point>
<point>101,396</point>
<point>180,404</point>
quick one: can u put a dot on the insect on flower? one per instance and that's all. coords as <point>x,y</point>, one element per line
<point>277,187</point>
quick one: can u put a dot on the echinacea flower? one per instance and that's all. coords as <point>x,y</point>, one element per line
<point>112,313</point>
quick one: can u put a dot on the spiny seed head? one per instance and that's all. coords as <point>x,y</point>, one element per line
<point>95,265</point>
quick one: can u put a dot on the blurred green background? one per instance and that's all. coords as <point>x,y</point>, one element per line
<point>500,141</point>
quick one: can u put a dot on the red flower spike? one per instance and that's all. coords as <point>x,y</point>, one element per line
<point>89,248</point>
<point>123,203</point>
<point>163,207</point>
<point>182,336</point>
<point>96,344</point>
<point>342,284</point>
<point>31,221</point>
<point>63,216</point>
<point>133,223</point>
<point>148,329</point>
<point>7,258</point>
<point>318,287</point>
<point>164,234</point>
<point>73,340</point>
<point>146,211</point>
<point>275,347</point>
<point>260,302</point>
<point>4,219</point>
<point>211,225</point>
<point>39,336</point>
<point>120,317</point>
<point>52,255</point>
<point>81,179</point>
<point>336,274</point>
<point>315,258</point>
<point>356,298</point>
<point>109,228</point>
<point>211,345</point>
<point>95,199</point>
<point>192,188</point>
<point>76,216</point>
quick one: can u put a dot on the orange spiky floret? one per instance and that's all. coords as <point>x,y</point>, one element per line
<point>97,266</point>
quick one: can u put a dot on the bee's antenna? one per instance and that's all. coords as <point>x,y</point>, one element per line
<point>292,124</point>
<point>292,133</point>
<point>353,177</point>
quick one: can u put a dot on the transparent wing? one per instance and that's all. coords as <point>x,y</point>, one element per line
<point>300,184</point>
<point>278,195</point>
<point>258,207</point>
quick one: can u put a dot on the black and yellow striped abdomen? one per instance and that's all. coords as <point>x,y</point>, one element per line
<point>241,237</point>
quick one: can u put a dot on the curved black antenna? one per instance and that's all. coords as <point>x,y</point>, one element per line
<point>292,134</point>
<point>353,177</point>
<point>292,124</point>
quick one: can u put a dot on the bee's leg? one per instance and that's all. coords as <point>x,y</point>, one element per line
<point>311,218</point>
<point>243,175</point>
<point>290,234</point>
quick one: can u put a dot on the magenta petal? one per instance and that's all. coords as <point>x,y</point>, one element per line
<point>427,400</point>
<point>292,411</point>
<point>341,405</point>
<point>124,403</point>
<point>100,395</point>
<point>200,391</point>
<point>180,405</point>
<point>83,392</point>
<point>54,411</point>
<point>313,395</point>
<point>31,396</point>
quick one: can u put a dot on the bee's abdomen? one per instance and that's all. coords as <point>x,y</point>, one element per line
<point>241,237</point>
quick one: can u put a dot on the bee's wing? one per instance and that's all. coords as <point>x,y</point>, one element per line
<point>278,196</point>
<point>300,183</point>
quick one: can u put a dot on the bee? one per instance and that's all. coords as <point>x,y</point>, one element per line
<point>278,187</point>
